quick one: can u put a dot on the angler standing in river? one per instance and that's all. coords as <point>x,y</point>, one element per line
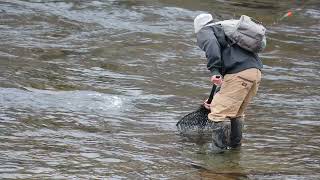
<point>237,72</point>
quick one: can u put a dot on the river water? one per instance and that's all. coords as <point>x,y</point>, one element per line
<point>93,89</point>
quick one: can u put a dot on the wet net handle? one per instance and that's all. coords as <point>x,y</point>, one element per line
<point>213,90</point>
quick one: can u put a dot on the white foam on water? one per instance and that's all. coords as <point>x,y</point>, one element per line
<point>65,101</point>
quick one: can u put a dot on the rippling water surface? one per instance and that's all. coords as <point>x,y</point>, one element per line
<point>93,89</point>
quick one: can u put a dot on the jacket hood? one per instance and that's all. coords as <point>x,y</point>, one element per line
<point>200,21</point>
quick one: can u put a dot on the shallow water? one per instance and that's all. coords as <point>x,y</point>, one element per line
<point>93,89</point>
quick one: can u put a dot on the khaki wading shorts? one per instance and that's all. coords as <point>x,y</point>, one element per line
<point>236,92</point>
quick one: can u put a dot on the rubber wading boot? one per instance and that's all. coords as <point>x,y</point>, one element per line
<point>236,132</point>
<point>221,134</point>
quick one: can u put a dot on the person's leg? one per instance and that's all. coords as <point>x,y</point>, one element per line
<point>238,121</point>
<point>234,90</point>
<point>232,98</point>
<point>221,134</point>
<point>236,132</point>
<point>253,91</point>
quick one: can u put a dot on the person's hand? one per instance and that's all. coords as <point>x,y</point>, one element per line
<point>206,105</point>
<point>217,80</point>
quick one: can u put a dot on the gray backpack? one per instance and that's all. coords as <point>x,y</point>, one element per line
<point>245,32</point>
<point>249,34</point>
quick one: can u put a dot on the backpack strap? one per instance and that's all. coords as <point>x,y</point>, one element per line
<point>223,40</point>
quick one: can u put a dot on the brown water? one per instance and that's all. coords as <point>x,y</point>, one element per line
<point>93,89</point>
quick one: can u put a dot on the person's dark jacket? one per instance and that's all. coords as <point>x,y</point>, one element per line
<point>223,56</point>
